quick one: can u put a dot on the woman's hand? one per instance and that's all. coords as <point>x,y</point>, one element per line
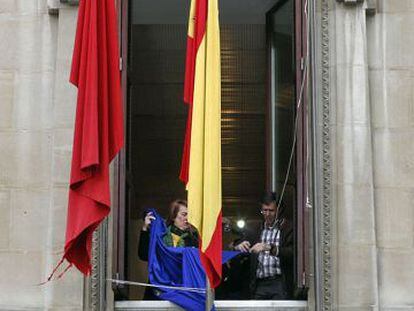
<point>147,221</point>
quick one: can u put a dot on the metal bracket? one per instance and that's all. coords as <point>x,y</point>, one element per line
<point>70,2</point>
<point>55,5</point>
<point>350,1</point>
<point>371,5</point>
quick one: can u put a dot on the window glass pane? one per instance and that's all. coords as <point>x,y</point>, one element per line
<point>281,24</point>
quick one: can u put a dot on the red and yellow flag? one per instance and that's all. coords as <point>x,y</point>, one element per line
<point>201,163</point>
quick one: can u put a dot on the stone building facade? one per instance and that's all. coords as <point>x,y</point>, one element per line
<point>371,105</point>
<point>363,65</point>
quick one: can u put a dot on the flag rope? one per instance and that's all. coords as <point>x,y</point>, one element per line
<point>299,103</point>
<point>292,151</point>
<point>183,288</point>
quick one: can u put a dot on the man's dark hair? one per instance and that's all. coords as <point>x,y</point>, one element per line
<point>269,197</point>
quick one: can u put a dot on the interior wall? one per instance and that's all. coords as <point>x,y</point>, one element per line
<point>158,116</point>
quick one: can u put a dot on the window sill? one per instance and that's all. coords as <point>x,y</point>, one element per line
<point>257,305</point>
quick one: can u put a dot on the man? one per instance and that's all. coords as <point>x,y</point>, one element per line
<point>271,249</point>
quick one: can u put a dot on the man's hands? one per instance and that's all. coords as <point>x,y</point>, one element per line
<point>257,248</point>
<point>147,221</point>
<point>244,247</point>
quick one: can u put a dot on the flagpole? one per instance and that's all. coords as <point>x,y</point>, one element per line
<point>209,296</point>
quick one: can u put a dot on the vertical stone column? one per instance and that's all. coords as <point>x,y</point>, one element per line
<point>356,257</point>
<point>391,46</point>
<point>27,71</point>
<point>66,293</point>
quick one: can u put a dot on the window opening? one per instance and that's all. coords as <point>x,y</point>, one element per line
<point>258,112</point>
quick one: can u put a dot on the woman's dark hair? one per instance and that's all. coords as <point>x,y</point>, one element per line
<point>174,208</point>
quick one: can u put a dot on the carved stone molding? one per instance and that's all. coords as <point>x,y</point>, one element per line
<point>96,285</point>
<point>325,264</point>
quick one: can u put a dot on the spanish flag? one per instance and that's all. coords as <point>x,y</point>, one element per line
<point>201,162</point>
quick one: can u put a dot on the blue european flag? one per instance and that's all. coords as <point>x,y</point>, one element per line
<point>178,267</point>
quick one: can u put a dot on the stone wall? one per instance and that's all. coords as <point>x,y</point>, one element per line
<point>373,125</point>
<point>37,107</point>
<point>391,72</point>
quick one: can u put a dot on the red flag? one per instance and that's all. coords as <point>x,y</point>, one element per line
<point>98,127</point>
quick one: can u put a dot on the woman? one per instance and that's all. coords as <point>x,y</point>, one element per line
<point>180,233</point>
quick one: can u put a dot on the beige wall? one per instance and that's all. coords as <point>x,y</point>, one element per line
<point>391,64</point>
<point>36,119</point>
<point>373,126</point>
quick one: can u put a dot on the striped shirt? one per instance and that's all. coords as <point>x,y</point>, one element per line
<point>269,265</point>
